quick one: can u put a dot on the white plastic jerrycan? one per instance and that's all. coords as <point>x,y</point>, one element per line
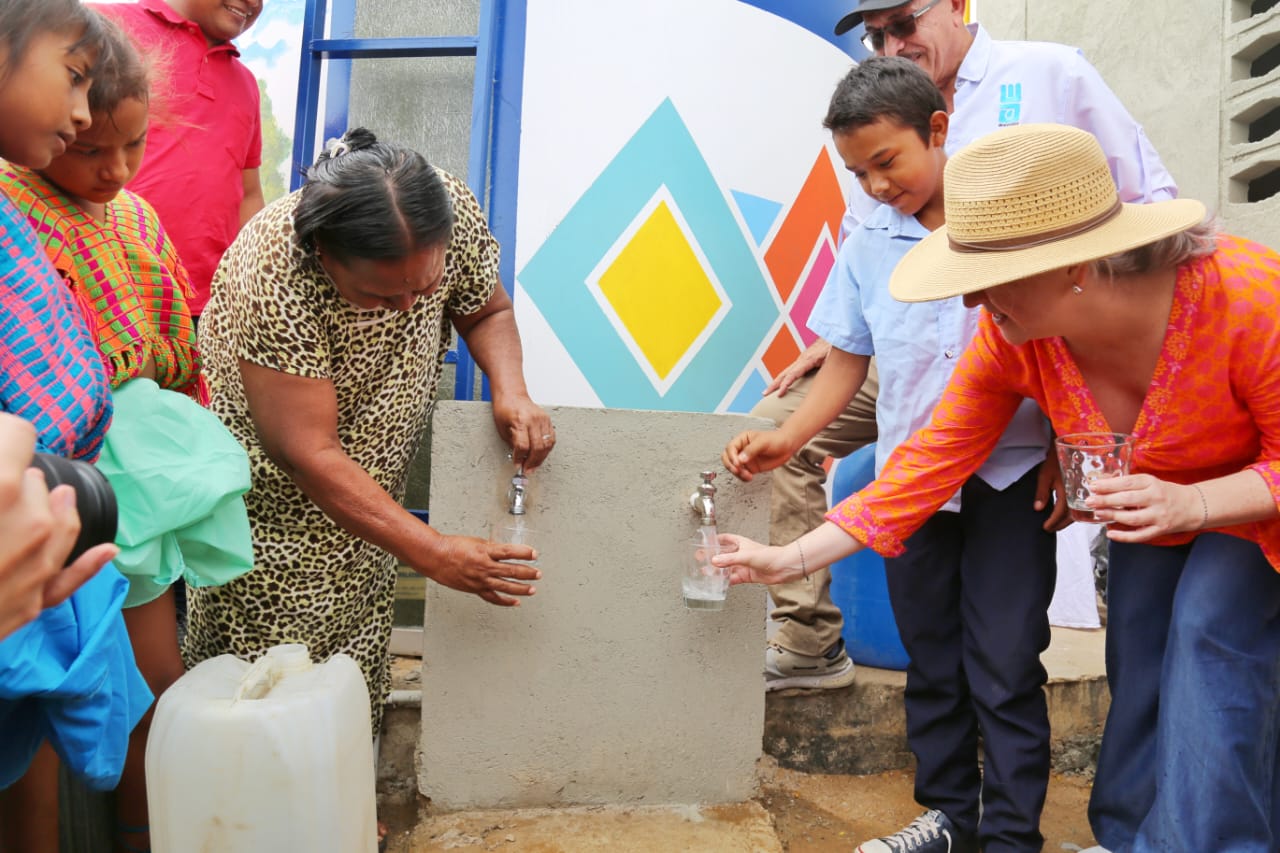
<point>263,758</point>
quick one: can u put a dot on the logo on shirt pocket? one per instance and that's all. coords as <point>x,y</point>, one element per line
<point>1010,104</point>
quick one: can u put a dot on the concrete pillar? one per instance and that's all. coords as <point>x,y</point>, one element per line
<point>601,688</point>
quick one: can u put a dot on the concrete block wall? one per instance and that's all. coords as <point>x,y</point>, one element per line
<point>1249,99</point>
<point>601,688</point>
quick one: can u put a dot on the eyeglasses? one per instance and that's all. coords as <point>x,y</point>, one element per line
<point>899,28</point>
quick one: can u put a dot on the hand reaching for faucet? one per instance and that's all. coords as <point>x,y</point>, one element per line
<point>754,451</point>
<point>481,567</point>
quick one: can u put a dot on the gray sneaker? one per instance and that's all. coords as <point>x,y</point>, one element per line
<point>932,832</point>
<point>784,668</point>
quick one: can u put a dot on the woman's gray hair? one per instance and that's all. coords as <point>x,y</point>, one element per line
<point>1197,241</point>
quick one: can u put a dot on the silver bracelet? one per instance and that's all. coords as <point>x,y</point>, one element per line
<point>804,570</point>
<point>1204,506</point>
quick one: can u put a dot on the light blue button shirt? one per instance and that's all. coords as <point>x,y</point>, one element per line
<point>916,345</point>
<point>1005,83</point>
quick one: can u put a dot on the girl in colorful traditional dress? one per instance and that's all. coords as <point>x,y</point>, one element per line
<point>177,472</point>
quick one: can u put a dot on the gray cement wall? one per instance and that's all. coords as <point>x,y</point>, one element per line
<point>602,688</point>
<point>1163,60</point>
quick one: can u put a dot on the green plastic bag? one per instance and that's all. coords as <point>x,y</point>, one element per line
<point>179,478</point>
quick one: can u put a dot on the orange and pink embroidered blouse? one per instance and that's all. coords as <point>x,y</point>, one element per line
<point>1213,407</point>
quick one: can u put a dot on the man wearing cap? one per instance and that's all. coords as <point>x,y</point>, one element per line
<point>987,84</point>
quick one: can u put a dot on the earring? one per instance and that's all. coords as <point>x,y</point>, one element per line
<point>1075,288</point>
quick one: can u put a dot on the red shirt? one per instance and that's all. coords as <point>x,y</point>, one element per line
<point>207,132</point>
<point>1213,407</point>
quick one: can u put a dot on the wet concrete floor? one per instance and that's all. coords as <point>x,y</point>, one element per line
<point>794,812</point>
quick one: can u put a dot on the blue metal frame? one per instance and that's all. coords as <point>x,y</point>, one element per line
<point>493,148</point>
<point>342,23</point>
<point>478,161</point>
<point>308,104</point>
<point>504,178</point>
<point>393,48</point>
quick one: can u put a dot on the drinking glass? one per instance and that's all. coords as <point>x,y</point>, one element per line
<point>514,531</point>
<point>1086,456</point>
<point>705,584</point>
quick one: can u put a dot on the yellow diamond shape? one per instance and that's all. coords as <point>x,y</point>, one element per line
<point>660,291</point>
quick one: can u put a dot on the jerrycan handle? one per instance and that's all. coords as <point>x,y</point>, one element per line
<point>264,673</point>
<point>258,680</point>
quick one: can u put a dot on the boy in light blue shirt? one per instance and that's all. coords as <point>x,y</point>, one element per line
<point>972,591</point>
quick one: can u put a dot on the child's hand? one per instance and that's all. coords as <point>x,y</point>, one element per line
<point>754,451</point>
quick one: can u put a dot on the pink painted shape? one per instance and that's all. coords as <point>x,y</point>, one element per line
<point>808,295</point>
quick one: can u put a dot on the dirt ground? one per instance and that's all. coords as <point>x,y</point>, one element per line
<point>793,813</point>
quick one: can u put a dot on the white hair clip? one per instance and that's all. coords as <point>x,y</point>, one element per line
<point>336,148</point>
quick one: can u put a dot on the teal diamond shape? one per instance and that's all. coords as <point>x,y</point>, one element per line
<point>662,153</point>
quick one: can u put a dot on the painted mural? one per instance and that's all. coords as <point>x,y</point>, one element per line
<point>680,273</point>
<point>671,291</point>
<point>679,202</point>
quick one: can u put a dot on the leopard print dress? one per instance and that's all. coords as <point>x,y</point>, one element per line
<point>273,305</point>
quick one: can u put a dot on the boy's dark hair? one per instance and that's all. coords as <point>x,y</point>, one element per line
<point>23,20</point>
<point>884,87</point>
<point>122,74</point>
<point>372,200</point>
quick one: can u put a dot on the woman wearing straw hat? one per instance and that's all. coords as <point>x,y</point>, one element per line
<point>1135,319</point>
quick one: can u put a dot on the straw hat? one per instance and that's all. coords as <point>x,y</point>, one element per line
<point>1025,200</point>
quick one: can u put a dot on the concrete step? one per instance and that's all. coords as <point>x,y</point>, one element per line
<point>861,729</point>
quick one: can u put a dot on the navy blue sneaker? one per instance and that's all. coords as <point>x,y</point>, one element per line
<point>932,832</point>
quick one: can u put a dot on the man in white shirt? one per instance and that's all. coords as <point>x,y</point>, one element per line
<point>987,84</point>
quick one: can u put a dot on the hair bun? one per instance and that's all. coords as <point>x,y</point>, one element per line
<point>355,139</point>
<point>359,138</point>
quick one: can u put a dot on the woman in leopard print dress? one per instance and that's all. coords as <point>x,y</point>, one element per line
<point>324,341</point>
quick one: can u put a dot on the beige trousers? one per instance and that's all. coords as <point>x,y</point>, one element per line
<point>810,621</point>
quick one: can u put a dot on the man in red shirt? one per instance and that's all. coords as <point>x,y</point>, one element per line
<point>204,147</point>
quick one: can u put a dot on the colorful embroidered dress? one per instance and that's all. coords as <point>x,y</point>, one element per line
<point>125,272</point>
<point>66,397</point>
<point>1213,407</point>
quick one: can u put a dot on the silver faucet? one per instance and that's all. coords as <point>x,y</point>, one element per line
<point>516,494</point>
<point>703,501</point>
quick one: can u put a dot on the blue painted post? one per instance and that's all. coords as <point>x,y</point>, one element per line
<point>304,126</point>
